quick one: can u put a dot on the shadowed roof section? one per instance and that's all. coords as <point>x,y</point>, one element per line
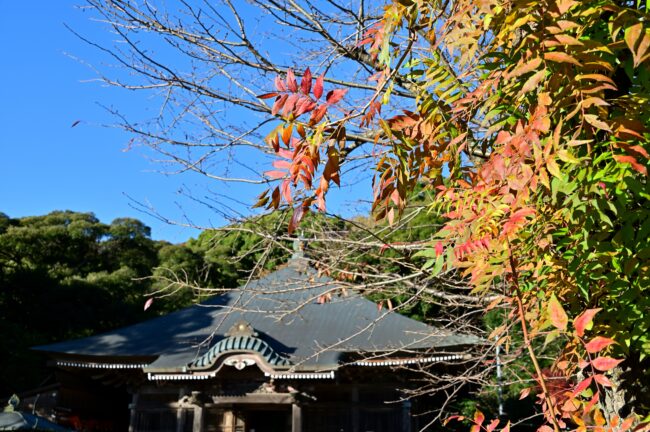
<point>282,308</point>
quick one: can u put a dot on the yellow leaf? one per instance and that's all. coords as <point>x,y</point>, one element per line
<point>565,156</point>
<point>593,120</point>
<point>552,168</point>
<point>556,313</point>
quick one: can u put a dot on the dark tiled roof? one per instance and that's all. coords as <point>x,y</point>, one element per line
<point>282,308</point>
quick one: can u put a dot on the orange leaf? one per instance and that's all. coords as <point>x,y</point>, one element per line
<point>584,320</point>
<point>633,36</point>
<point>561,57</point>
<point>632,161</point>
<point>605,363</point>
<point>267,95</point>
<point>522,69</point>
<point>598,344</point>
<point>286,133</point>
<point>524,393</point>
<point>556,313</point>
<point>533,81</point>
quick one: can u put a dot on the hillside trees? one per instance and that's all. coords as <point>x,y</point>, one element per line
<point>525,121</point>
<point>66,275</point>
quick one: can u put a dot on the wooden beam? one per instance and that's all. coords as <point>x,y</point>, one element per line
<point>256,398</point>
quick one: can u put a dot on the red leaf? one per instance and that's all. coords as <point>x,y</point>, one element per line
<point>277,105</point>
<point>605,363</point>
<point>298,214</point>
<point>598,343</point>
<point>289,104</point>
<point>282,164</point>
<point>493,424</point>
<point>304,105</point>
<point>318,114</point>
<point>544,428</point>
<point>556,313</point>
<point>603,380</point>
<point>292,85</point>
<point>285,188</point>
<point>334,96</point>
<point>318,87</point>
<point>274,174</point>
<point>439,248</point>
<point>267,95</point>
<point>524,393</point>
<point>148,303</point>
<point>582,386</point>
<point>279,84</point>
<point>584,320</point>
<point>305,84</point>
<point>479,418</point>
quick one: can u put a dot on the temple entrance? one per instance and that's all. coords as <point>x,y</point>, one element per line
<point>249,419</point>
<point>267,420</point>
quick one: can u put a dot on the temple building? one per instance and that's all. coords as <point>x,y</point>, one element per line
<point>289,352</point>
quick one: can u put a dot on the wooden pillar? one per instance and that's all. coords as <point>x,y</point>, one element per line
<point>133,407</point>
<point>198,419</point>
<point>406,416</point>
<point>354,398</point>
<point>296,418</point>
<point>180,411</point>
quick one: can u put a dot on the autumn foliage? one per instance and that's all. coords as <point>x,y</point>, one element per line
<point>531,127</point>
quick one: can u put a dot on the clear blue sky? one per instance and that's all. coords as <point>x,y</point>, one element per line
<point>49,165</point>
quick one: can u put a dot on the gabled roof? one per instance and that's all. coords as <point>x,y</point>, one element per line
<point>301,333</point>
